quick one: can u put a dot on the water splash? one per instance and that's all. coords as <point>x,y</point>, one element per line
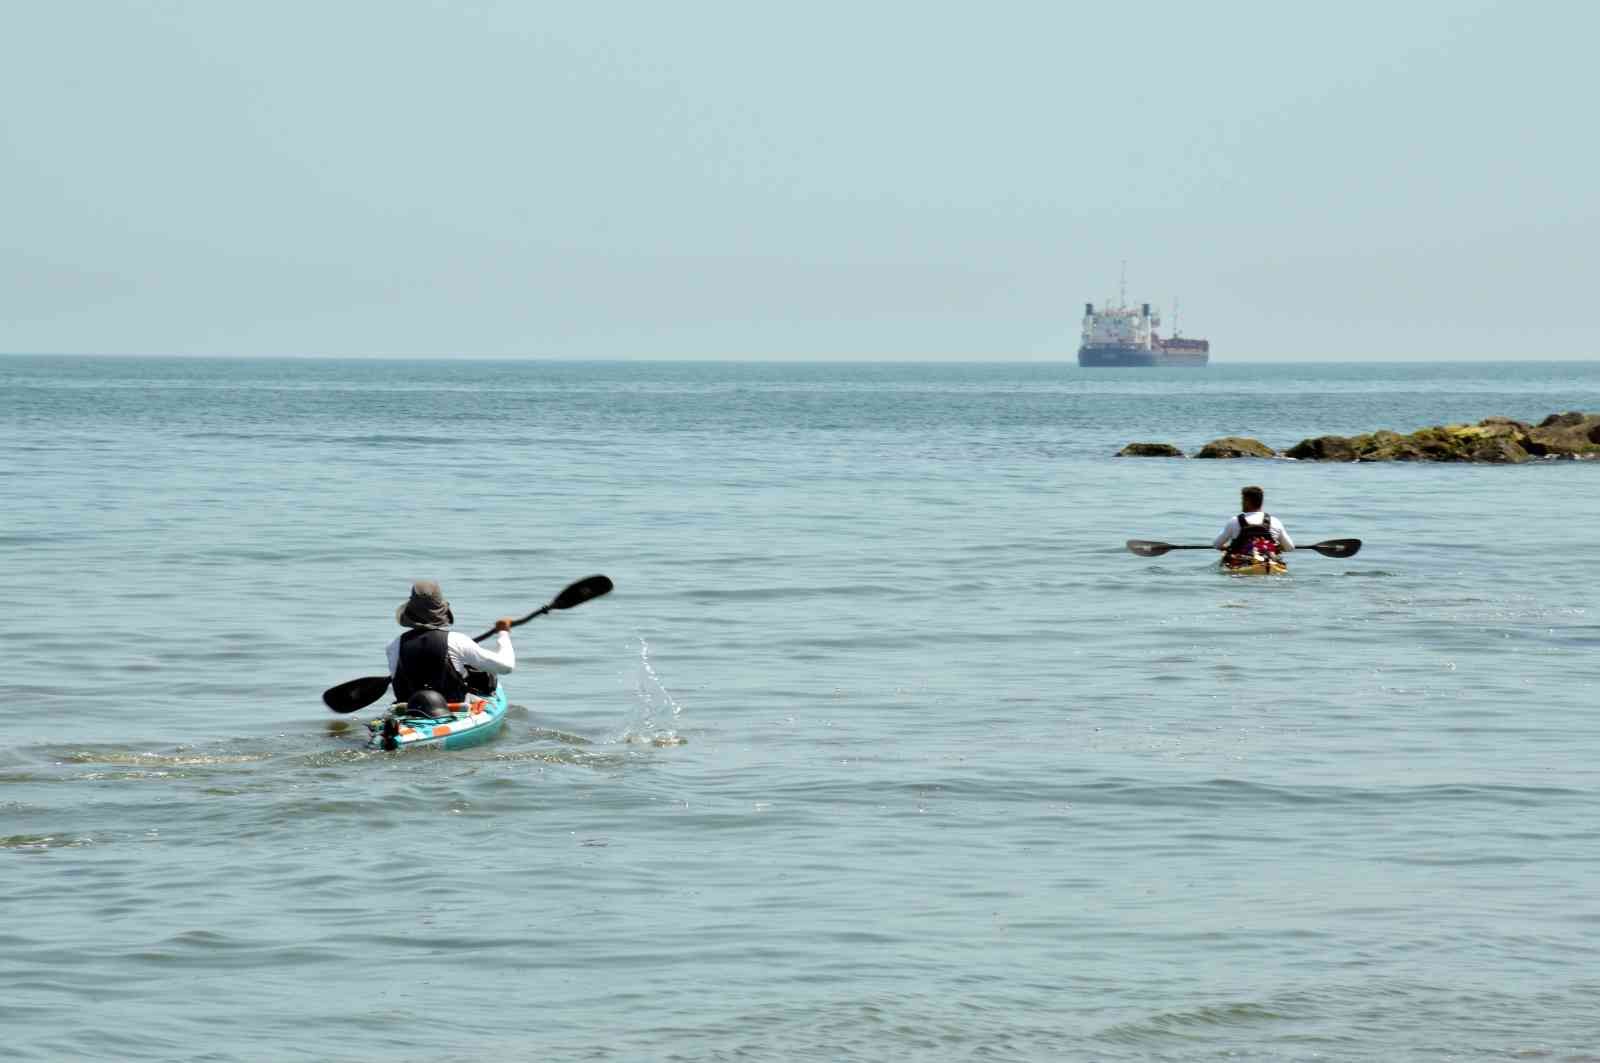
<point>656,709</point>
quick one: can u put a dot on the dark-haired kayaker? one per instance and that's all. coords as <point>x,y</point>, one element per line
<point>1254,533</point>
<point>432,657</point>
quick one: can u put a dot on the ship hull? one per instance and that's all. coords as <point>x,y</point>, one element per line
<point>1119,357</point>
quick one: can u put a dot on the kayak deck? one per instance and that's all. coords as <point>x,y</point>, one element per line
<point>470,723</point>
<point>1255,565</point>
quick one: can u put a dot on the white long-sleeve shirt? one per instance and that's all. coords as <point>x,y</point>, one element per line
<point>463,653</point>
<point>1232,530</point>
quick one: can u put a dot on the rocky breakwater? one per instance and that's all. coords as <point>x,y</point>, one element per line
<point>1495,440</point>
<point>1149,450</point>
<point>1226,447</point>
<point>1236,447</point>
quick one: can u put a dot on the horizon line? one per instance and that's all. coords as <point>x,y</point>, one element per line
<point>1064,360</point>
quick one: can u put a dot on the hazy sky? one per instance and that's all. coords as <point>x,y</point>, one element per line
<point>824,180</point>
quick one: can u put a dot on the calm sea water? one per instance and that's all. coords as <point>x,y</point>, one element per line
<point>883,748</point>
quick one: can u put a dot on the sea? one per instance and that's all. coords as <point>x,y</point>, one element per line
<point>884,748</point>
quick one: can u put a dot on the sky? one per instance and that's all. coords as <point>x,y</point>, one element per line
<point>887,180</point>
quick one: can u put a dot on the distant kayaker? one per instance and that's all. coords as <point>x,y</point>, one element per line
<point>432,657</point>
<point>1253,531</point>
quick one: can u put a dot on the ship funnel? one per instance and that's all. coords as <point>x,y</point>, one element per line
<point>1146,309</point>
<point>1088,309</point>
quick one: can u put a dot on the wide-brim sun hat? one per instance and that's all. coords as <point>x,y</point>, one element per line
<point>425,608</point>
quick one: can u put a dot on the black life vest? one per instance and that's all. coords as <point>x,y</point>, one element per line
<point>425,665</point>
<point>1252,534</point>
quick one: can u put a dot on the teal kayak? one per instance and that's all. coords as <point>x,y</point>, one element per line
<point>470,723</point>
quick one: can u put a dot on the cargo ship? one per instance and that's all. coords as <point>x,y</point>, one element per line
<point>1123,335</point>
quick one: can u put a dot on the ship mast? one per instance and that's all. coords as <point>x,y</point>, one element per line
<point>1122,293</point>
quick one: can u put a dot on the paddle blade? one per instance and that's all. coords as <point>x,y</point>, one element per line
<point>582,591</point>
<point>1337,547</point>
<point>356,694</point>
<point>1145,548</point>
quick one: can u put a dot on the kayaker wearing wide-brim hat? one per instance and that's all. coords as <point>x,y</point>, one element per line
<point>1253,532</point>
<point>432,657</point>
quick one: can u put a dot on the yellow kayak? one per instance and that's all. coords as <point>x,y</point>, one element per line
<point>1255,565</point>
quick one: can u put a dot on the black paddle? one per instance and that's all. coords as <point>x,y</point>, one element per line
<point>359,693</point>
<point>1328,548</point>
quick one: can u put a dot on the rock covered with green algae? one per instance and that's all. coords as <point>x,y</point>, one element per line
<point>1494,440</point>
<point>1149,450</point>
<point>1565,433</point>
<point>1236,447</point>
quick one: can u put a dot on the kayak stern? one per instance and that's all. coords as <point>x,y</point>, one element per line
<point>1253,565</point>
<point>470,723</point>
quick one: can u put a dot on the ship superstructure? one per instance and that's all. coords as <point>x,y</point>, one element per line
<point>1120,335</point>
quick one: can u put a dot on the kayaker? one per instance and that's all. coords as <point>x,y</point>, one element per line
<point>1253,531</point>
<point>432,657</point>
